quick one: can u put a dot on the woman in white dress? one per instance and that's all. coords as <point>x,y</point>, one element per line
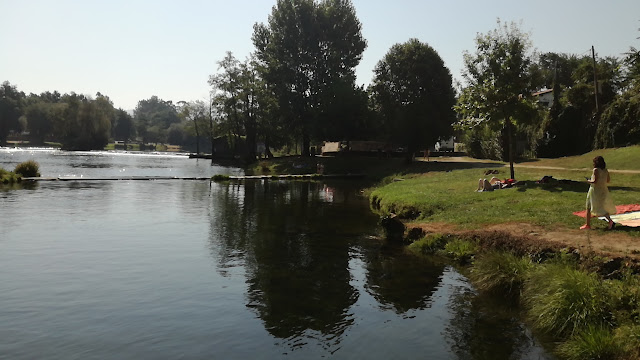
<point>598,198</point>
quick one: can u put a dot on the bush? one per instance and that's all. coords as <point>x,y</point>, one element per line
<point>28,169</point>
<point>429,244</point>
<point>501,272</point>
<point>591,343</point>
<point>562,300</point>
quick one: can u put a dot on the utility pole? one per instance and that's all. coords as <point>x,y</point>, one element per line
<point>595,78</point>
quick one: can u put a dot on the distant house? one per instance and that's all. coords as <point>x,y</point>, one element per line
<point>545,97</point>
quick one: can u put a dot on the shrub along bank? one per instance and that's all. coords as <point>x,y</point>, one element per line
<point>26,169</point>
<point>588,304</point>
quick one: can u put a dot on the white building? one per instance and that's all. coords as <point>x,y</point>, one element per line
<point>545,97</point>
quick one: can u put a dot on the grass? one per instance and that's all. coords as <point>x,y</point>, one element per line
<point>8,177</point>
<point>501,272</point>
<point>450,197</point>
<point>28,168</point>
<point>429,244</point>
<point>563,300</point>
<point>593,342</point>
<point>460,250</point>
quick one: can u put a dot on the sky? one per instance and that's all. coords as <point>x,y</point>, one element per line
<point>131,50</point>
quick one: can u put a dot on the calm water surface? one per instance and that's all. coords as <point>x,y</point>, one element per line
<point>172,269</point>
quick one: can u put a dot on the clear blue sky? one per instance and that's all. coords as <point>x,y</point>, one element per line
<point>131,50</point>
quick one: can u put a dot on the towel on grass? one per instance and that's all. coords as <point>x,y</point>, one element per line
<point>627,215</point>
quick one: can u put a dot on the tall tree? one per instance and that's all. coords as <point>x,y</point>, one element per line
<point>10,110</point>
<point>124,129</point>
<point>413,91</point>
<point>195,114</point>
<point>498,82</point>
<point>305,48</point>
<point>153,117</point>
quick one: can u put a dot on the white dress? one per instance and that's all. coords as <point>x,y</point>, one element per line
<point>598,198</point>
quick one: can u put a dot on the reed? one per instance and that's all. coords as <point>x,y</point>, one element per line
<point>28,168</point>
<point>562,300</point>
<point>593,342</point>
<point>501,272</point>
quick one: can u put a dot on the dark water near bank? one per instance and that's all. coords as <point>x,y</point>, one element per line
<point>188,270</point>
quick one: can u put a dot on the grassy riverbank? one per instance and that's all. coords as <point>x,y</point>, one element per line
<point>587,304</point>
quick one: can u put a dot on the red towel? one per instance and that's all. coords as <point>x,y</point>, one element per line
<point>620,209</point>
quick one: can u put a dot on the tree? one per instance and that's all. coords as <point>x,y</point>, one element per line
<point>10,110</point>
<point>304,49</point>
<point>124,129</point>
<point>195,114</point>
<point>39,115</point>
<point>413,92</point>
<point>84,124</point>
<point>498,82</point>
<point>153,117</point>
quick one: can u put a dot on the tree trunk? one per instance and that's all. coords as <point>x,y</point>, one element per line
<point>195,123</point>
<point>510,140</point>
<point>267,150</point>
<point>306,143</point>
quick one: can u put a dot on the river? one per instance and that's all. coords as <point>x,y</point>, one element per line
<point>184,269</point>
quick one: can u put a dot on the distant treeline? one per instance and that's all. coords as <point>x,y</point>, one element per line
<point>298,89</point>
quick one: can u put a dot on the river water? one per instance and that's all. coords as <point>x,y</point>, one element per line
<point>183,269</point>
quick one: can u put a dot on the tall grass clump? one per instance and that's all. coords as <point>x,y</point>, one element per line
<point>28,168</point>
<point>592,342</point>
<point>460,250</point>
<point>7,177</point>
<point>562,299</point>
<point>628,336</point>
<point>429,244</point>
<point>501,272</point>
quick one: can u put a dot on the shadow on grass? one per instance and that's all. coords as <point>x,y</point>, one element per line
<point>556,186</point>
<point>374,168</point>
<point>624,188</point>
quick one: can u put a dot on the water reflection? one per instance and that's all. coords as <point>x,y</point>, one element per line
<point>295,250</point>
<point>399,282</point>
<point>486,327</point>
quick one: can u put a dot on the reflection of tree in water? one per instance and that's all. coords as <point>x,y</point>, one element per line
<point>295,248</point>
<point>401,281</point>
<point>484,327</point>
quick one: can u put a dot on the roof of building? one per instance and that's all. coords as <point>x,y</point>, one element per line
<point>542,92</point>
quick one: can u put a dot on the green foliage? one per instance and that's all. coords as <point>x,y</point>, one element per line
<point>28,168</point>
<point>8,177</point>
<point>288,47</point>
<point>620,121</point>
<point>460,250</point>
<point>501,272</point>
<point>628,336</point>
<point>220,177</point>
<point>412,91</point>
<point>153,117</point>
<point>563,300</point>
<point>497,75</point>
<point>10,110</point>
<point>592,342</point>
<point>429,244</point>
<point>124,129</point>
<point>482,142</point>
